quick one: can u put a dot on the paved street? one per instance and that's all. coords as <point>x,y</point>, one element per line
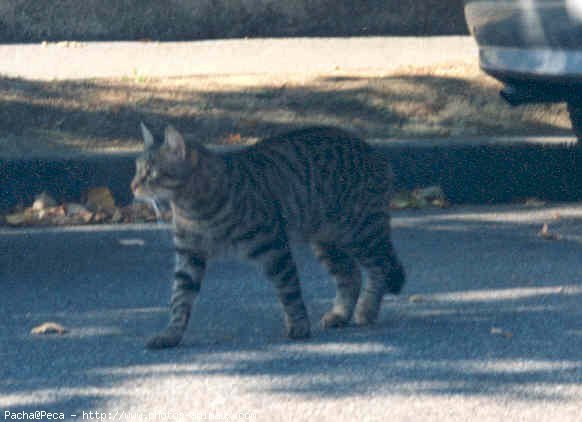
<point>489,328</point>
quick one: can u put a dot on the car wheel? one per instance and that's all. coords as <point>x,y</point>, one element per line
<point>575,111</point>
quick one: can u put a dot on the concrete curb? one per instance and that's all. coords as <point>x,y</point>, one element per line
<point>498,171</point>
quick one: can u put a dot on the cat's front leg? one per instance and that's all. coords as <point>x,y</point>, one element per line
<point>274,256</point>
<point>188,275</point>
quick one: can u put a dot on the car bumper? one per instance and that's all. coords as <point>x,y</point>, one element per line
<point>543,65</point>
<point>537,40</point>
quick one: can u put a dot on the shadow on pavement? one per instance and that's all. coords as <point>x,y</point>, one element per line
<point>490,310</point>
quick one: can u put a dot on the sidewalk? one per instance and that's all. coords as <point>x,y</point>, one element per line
<point>225,57</point>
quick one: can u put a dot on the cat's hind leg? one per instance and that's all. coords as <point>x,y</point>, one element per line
<point>348,277</point>
<point>188,274</point>
<point>385,273</point>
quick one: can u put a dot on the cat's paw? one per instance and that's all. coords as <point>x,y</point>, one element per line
<point>365,317</point>
<point>333,320</point>
<point>367,311</point>
<point>299,329</point>
<point>164,340</point>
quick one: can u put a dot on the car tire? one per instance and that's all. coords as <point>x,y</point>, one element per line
<point>575,111</point>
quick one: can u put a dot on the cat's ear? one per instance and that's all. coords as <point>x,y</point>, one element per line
<point>148,138</point>
<point>175,143</point>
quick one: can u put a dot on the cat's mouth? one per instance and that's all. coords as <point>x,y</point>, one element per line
<point>140,193</point>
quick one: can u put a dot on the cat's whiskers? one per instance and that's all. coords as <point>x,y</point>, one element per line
<point>152,202</point>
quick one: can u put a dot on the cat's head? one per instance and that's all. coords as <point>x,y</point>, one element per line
<point>163,168</point>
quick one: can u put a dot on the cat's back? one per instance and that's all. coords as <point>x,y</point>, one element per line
<point>314,150</point>
<point>315,140</point>
<point>312,175</point>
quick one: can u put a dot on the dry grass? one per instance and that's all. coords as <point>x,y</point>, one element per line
<point>453,99</point>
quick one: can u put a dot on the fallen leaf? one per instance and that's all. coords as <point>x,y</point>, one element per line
<point>545,233</point>
<point>496,331</point>
<point>100,199</point>
<point>117,216</point>
<point>233,139</point>
<point>16,219</point>
<point>534,203</point>
<point>417,299</point>
<point>432,196</point>
<point>43,201</point>
<point>402,200</point>
<point>399,204</point>
<point>99,217</point>
<point>48,328</point>
<point>77,213</point>
<point>53,215</point>
<point>74,209</point>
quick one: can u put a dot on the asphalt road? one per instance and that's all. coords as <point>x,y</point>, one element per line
<point>489,328</point>
<point>227,57</point>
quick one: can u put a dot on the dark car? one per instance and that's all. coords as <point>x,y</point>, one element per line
<point>534,47</point>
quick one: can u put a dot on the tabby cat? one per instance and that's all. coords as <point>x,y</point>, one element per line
<point>322,185</point>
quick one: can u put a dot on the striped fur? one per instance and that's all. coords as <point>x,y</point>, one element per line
<point>321,185</point>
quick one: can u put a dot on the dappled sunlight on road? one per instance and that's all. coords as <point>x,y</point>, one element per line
<point>488,326</point>
<point>499,214</point>
<point>511,294</point>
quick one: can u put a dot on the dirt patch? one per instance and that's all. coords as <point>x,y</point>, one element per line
<point>454,99</point>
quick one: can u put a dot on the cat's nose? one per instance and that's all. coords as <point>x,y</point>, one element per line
<point>133,185</point>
